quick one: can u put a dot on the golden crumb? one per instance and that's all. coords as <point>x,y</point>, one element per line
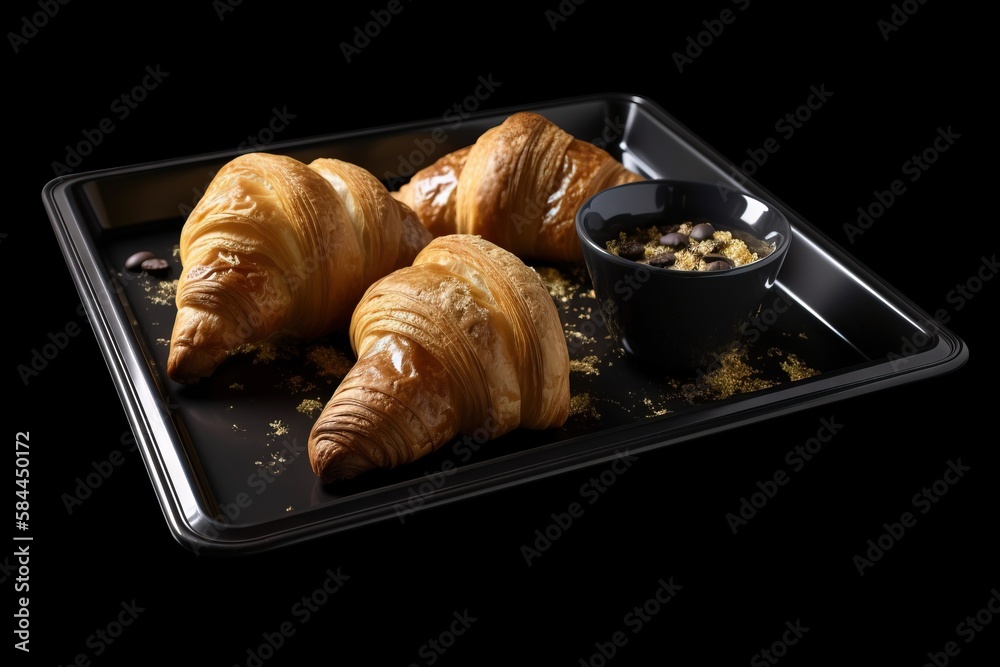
<point>797,369</point>
<point>297,384</point>
<point>332,363</point>
<point>581,405</point>
<point>579,336</point>
<point>276,463</point>
<point>267,352</point>
<point>236,386</point>
<point>731,374</point>
<point>559,285</point>
<point>734,376</point>
<point>278,428</point>
<point>587,365</point>
<point>160,292</point>
<point>654,410</point>
<point>270,350</point>
<point>309,406</point>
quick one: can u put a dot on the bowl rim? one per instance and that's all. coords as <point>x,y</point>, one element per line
<point>776,255</point>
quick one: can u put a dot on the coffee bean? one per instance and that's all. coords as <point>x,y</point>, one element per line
<point>134,263</point>
<point>674,239</point>
<point>702,231</point>
<point>156,266</point>
<point>714,257</point>
<point>632,250</point>
<point>715,262</point>
<point>664,259</point>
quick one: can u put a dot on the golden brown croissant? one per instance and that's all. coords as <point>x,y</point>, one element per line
<point>519,186</point>
<point>279,246</point>
<point>467,338</point>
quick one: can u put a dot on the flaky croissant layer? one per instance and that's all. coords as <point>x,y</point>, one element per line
<point>519,186</point>
<point>279,246</point>
<point>466,338</point>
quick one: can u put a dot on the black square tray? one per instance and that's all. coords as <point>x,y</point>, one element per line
<point>227,458</point>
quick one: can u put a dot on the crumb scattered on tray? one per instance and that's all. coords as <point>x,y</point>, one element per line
<point>581,405</point>
<point>654,409</point>
<point>309,406</point>
<point>160,292</point>
<point>297,384</point>
<point>562,286</point>
<point>332,362</point>
<point>276,348</point>
<point>797,369</point>
<point>587,365</point>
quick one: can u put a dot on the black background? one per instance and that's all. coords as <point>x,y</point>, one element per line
<point>228,71</point>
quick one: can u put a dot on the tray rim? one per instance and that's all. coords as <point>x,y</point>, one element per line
<point>180,503</point>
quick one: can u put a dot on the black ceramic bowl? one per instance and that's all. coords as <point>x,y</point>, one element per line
<point>667,319</point>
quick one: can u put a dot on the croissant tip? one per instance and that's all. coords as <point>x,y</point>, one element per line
<point>188,365</point>
<point>332,462</point>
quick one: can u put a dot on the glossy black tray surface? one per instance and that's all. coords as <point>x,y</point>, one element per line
<point>228,457</point>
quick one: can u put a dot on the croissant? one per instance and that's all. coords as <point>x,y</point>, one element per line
<point>519,186</point>
<point>465,339</point>
<point>279,246</point>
